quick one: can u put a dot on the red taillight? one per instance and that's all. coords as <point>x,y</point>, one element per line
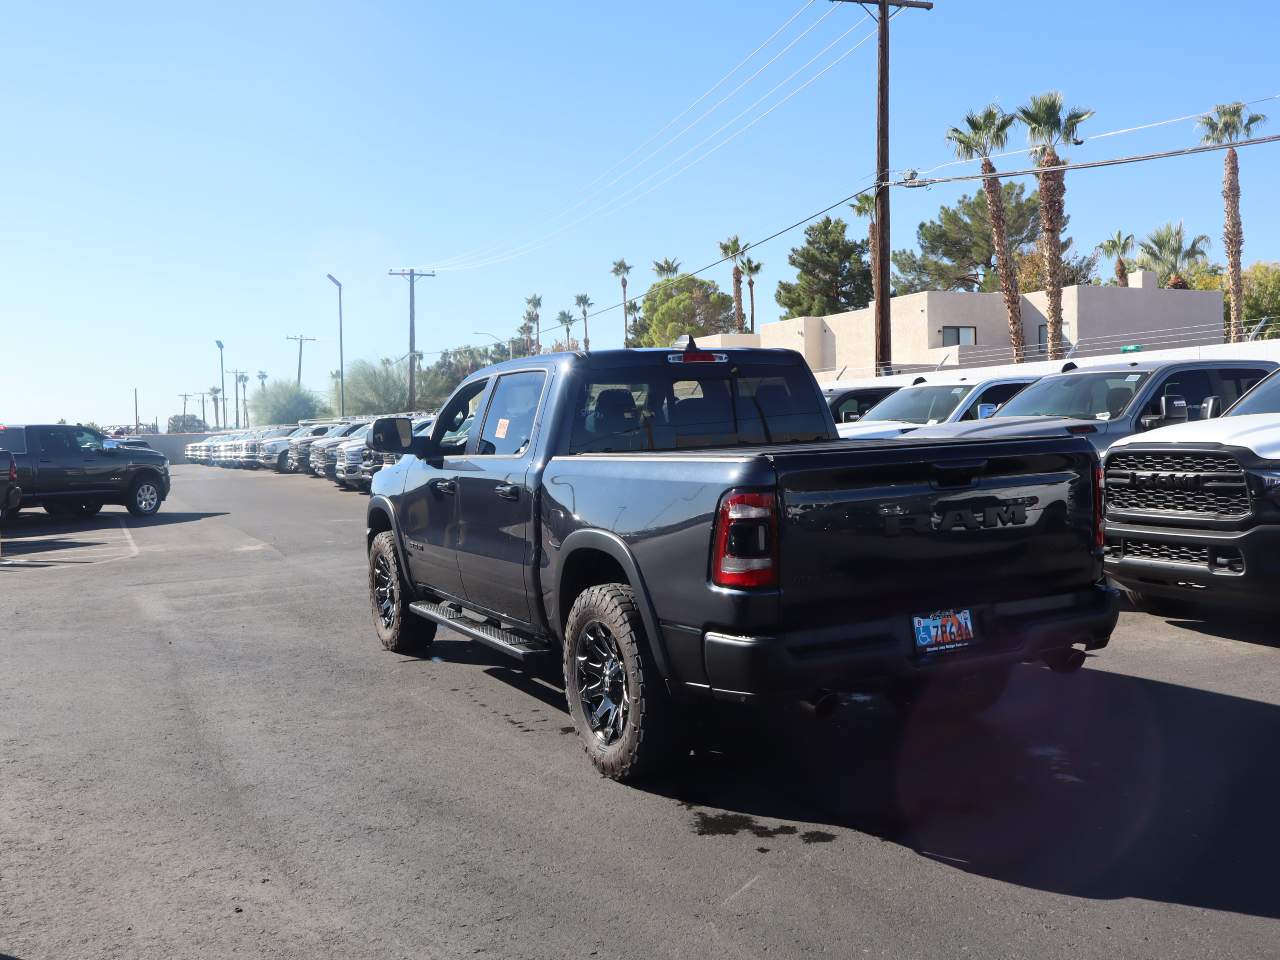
<point>13,470</point>
<point>1099,505</point>
<point>745,552</point>
<point>697,356</point>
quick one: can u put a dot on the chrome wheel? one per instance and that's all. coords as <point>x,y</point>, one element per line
<point>147,497</point>
<point>602,683</point>
<point>384,590</point>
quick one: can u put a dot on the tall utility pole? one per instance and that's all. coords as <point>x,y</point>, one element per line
<point>884,328</point>
<point>203,419</point>
<point>235,379</point>
<point>301,340</point>
<point>185,397</point>
<point>413,276</point>
<point>136,428</point>
<point>342,364</point>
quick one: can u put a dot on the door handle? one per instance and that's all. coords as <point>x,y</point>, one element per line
<point>443,486</point>
<point>507,491</point>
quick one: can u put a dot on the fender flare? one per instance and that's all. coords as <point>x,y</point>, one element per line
<point>616,547</point>
<point>380,504</point>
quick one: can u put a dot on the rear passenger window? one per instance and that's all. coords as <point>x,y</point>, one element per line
<point>1231,385</point>
<point>508,424</point>
<point>55,442</point>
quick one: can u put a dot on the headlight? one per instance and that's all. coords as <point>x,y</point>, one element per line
<point>1270,481</point>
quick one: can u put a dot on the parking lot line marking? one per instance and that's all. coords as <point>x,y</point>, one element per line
<point>133,546</point>
<point>741,890</point>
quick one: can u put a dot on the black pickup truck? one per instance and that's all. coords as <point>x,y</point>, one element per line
<point>73,470</point>
<point>677,524</point>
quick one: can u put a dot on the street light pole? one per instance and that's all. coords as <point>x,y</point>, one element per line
<point>223,368</point>
<point>342,365</point>
<point>413,276</point>
<point>511,350</point>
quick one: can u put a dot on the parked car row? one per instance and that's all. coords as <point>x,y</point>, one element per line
<point>333,449</point>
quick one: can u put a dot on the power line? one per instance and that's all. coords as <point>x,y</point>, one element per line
<point>1096,136</point>
<point>492,249</point>
<point>1087,164</point>
<point>623,200</point>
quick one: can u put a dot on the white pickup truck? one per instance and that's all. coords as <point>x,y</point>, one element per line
<point>1193,510</point>
<point>928,404</point>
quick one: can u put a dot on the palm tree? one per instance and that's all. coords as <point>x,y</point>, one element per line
<point>532,305</point>
<point>565,319</point>
<point>865,206</point>
<point>1117,248</point>
<point>583,302</point>
<point>751,268</point>
<point>215,392</point>
<point>1227,124</point>
<point>733,249</point>
<point>262,379</point>
<point>984,133</point>
<point>243,380</point>
<point>620,270</point>
<point>666,268</point>
<point>1167,251</point>
<point>1049,123</point>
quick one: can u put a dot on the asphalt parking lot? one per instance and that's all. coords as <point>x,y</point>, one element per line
<point>207,754</point>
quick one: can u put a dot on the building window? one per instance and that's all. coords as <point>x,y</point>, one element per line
<point>1043,337</point>
<point>959,336</point>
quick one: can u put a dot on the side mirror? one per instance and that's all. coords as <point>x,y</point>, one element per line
<point>851,417</point>
<point>987,410</point>
<point>1211,408</point>
<point>390,435</point>
<point>1173,409</point>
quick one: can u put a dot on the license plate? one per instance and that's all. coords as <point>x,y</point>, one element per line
<point>944,630</point>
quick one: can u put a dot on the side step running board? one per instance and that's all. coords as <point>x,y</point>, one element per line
<point>512,644</point>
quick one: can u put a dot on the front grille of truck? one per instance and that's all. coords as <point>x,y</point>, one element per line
<point>1204,484</point>
<point>1167,552</point>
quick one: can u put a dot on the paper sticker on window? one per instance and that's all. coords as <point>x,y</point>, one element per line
<point>501,431</point>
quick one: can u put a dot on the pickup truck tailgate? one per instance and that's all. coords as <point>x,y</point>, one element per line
<point>907,528</point>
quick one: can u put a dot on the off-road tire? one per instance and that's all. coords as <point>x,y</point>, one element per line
<point>401,631</point>
<point>135,502</point>
<point>282,463</point>
<point>652,738</point>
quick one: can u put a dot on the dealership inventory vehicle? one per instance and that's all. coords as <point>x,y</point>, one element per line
<point>938,401</point>
<point>274,451</point>
<point>1106,402</point>
<point>299,458</point>
<point>73,470</point>
<point>1193,510</point>
<point>322,456</point>
<point>680,525</point>
<point>250,451</point>
<point>850,404</point>
<point>10,492</point>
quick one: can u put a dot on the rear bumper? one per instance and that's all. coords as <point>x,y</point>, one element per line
<point>1231,566</point>
<point>882,652</point>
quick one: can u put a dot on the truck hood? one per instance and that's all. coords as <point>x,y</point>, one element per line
<point>875,429</point>
<point>1258,432</point>
<point>998,427</point>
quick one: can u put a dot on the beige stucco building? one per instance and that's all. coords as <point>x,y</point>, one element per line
<point>947,328</point>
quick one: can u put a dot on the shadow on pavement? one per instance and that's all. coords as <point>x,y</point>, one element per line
<point>1094,785</point>
<point>40,524</point>
<point>1256,628</point>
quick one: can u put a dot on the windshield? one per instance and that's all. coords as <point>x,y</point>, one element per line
<point>1081,396</point>
<point>697,405</point>
<point>924,404</point>
<point>1264,398</point>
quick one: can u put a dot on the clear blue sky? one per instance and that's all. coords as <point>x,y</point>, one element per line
<point>176,173</point>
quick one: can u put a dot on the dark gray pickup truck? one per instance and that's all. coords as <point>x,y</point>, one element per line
<point>677,525</point>
<point>74,470</point>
